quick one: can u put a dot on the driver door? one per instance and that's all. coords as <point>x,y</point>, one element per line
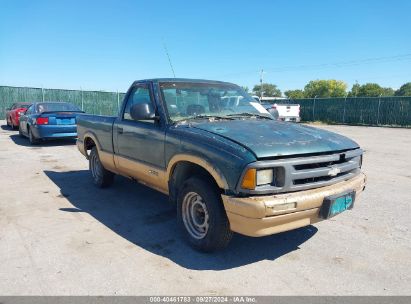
<point>139,145</point>
<point>23,120</point>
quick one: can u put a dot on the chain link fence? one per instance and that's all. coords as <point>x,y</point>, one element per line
<point>374,111</point>
<point>92,102</point>
<point>370,111</point>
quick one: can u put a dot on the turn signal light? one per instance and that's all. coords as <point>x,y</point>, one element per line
<point>249,179</point>
<point>42,120</point>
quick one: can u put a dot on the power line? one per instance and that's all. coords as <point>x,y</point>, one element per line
<point>341,64</point>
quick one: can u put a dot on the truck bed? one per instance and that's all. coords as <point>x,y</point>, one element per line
<point>100,126</point>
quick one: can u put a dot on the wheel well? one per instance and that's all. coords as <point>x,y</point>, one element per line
<point>88,145</point>
<point>184,170</point>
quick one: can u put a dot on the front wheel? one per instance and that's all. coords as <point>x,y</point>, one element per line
<point>102,178</point>
<point>20,133</point>
<point>202,216</point>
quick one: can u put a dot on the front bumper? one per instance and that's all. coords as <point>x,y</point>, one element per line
<point>270,214</point>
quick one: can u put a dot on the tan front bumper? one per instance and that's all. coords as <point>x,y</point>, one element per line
<point>265,215</point>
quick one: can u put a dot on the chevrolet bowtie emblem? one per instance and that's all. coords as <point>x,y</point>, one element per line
<point>334,171</point>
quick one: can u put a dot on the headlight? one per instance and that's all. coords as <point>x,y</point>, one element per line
<point>264,177</point>
<point>19,113</point>
<point>253,178</point>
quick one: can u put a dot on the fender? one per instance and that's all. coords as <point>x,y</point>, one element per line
<point>89,134</point>
<point>106,158</point>
<point>214,172</point>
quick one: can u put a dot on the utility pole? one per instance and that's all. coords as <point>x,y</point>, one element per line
<point>345,104</point>
<point>82,100</point>
<point>314,107</point>
<point>378,113</point>
<point>261,84</point>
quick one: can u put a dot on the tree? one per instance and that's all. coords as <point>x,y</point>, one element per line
<point>354,90</point>
<point>245,88</point>
<point>404,90</point>
<point>374,90</point>
<point>294,94</point>
<point>325,88</point>
<point>269,90</point>
<point>388,92</point>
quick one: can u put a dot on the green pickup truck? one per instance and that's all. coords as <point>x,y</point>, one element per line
<point>226,163</point>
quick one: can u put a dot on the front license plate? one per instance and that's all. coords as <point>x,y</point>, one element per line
<point>335,204</point>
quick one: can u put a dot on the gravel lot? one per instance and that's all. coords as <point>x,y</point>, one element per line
<point>59,235</point>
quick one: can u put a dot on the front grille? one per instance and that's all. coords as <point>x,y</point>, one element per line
<point>324,170</point>
<point>319,165</point>
<point>302,173</point>
<point>311,180</point>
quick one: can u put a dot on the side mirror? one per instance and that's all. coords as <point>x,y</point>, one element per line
<point>142,111</point>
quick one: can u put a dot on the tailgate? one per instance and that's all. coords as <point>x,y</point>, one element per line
<point>289,110</point>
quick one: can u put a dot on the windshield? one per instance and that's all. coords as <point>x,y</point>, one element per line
<point>21,106</point>
<point>185,100</point>
<point>57,107</point>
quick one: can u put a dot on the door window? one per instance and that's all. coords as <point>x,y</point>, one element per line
<point>30,110</point>
<point>139,94</point>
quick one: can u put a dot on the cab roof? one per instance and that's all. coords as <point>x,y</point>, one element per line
<point>190,80</point>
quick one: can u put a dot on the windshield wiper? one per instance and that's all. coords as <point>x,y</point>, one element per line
<point>246,114</point>
<point>201,116</point>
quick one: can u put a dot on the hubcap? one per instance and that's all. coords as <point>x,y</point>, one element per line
<point>95,167</point>
<point>195,215</point>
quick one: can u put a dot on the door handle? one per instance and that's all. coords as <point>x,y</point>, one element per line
<point>119,130</point>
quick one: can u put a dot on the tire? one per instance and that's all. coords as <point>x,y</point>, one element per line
<point>102,178</point>
<point>201,215</point>
<point>20,133</point>
<point>32,139</point>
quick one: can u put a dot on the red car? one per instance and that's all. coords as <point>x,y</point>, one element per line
<point>13,114</point>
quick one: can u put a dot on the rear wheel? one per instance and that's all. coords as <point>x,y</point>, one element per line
<point>32,139</point>
<point>20,133</point>
<point>12,126</point>
<point>9,123</point>
<point>202,216</point>
<point>102,178</point>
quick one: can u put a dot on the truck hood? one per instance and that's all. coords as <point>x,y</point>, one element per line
<point>270,138</point>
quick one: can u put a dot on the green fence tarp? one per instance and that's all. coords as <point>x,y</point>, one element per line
<point>92,102</point>
<point>372,111</point>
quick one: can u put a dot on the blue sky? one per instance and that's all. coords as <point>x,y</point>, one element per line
<point>105,45</point>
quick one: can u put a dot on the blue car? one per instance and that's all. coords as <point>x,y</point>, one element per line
<point>49,120</point>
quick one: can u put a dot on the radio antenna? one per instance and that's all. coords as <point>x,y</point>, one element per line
<point>169,59</point>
